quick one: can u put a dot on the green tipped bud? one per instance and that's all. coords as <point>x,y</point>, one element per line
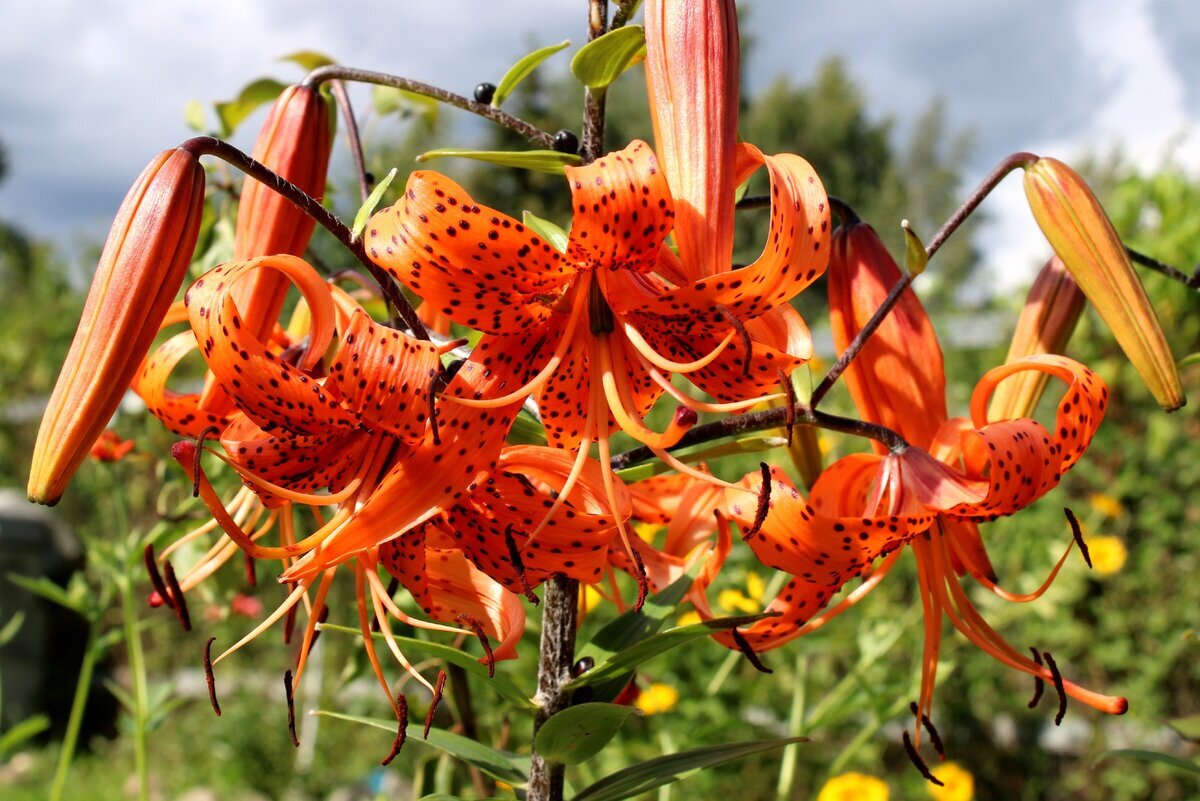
<point>1083,237</point>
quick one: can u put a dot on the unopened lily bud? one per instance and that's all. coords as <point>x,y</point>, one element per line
<point>1047,321</point>
<point>294,143</point>
<point>897,380</point>
<point>141,269</point>
<point>1083,237</point>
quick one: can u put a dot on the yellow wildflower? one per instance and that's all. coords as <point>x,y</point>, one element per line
<point>1106,505</point>
<point>1108,554</point>
<point>958,783</point>
<point>854,787</point>
<point>657,698</point>
<point>590,598</point>
<point>688,618</point>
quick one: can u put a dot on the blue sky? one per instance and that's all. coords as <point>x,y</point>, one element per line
<point>93,90</point>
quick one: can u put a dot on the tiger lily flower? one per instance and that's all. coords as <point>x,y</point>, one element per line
<point>596,332</point>
<point>929,495</point>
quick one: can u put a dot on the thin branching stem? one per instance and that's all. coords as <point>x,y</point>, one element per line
<point>210,146</point>
<point>805,415</point>
<point>342,97</point>
<point>956,219</point>
<point>1175,274</point>
<point>339,72</point>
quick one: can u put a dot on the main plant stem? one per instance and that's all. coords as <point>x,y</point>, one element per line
<point>560,601</point>
<point>140,694</point>
<point>83,689</point>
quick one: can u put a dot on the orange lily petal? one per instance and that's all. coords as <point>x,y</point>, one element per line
<point>477,266</point>
<point>179,412</point>
<point>623,210</point>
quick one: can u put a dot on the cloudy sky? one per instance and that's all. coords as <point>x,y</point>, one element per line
<point>93,90</point>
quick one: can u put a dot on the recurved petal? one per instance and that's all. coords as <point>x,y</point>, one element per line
<point>622,210</point>
<point>180,412</point>
<point>897,380</point>
<point>385,378</point>
<point>796,254</point>
<point>141,269</point>
<point>692,64</point>
<point>822,553</point>
<point>447,586</point>
<point>267,389</point>
<point>477,266</point>
<point>1020,459</point>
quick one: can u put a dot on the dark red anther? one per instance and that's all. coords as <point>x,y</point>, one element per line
<point>1058,687</point>
<point>160,595</point>
<point>1077,533</point>
<point>514,555</point>
<point>209,678</point>
<point>749,652</point>
<point>477,627</point>
<point>1039,686</point>
<point>321,618</point>
<point>764,502</point>
<point>433,421</point>
<point>643,581</point>
<point>685,417</point>
<point>178,602</point>
<point>251,573</point>
<point>935,739</point>
<point>915,758</point>
<point>401,710</point>
<point>291,703</point>
<point>433,705</point>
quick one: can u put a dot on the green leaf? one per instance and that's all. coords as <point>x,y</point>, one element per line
<point>501,685</point>
<point>601,61</point>
<point>257,93</point>
<point>444,797</point>
<point>26,730</point>
<point>1190,359</point>
<point>50,591</point>
<point>520,71</point>
<point>489,760</point>
<point>549,161</point>
<point>11,628</point>
<point>308,60</point>
<point>556,236</point>
<point>577,733</point>
<point>390,100</point>
<point>646,776</point>
<point>123,697</point>
<point>367,208</point>
<point>1152,756</point>
<point>915,257</point>
<point>627,659</point>
<point>193,116</point>
<point>526,431</point>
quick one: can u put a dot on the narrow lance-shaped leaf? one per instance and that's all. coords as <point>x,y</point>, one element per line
<point>548,161</point>
<point>578,733</point>
<point>521,70</point>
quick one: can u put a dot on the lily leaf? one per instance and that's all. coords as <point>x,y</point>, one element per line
<point>548,161</point>
<point>501,685</point>
<point>51,592</point>
<point>308,59</point>
<point>368,208</point>
<point>1188,727</point>
<point>11,628</point>
<point>254,94</point>
<point>627,659</point>
<point>751,444</point>
<point>26,730</point>
<point>489,760</point>
<point>525,430</point>
<point>553,234</point>
<point>520,71</point>
<point>602,60</point>
<point>193,116</point>
<point>1152,756</point>
<point>578,733</point>
<point>646,776</point>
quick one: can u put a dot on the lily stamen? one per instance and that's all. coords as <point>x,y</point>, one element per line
<point>646,351</point>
